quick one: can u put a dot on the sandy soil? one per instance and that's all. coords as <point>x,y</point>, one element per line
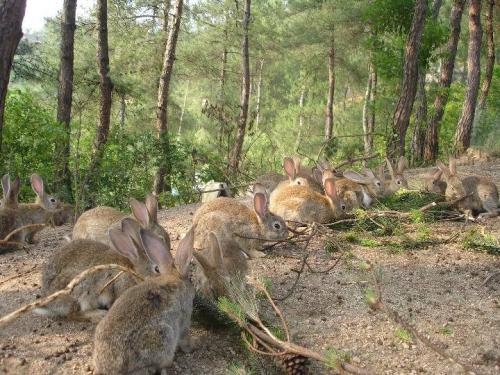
<point>438,289</point>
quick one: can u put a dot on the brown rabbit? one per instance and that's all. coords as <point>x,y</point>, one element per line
<point>87,301</point>
<point>45,210</point>
<point>232,219</point>
<point>95,223</point>
<point>480,193</point>
<point>367,188</point>
<point>10,192</point>
<point>143,329</point>
<point>433,182</point>
<point>216,265</point>
<point>397,179</point>
<point>299,175</point>
<point>302,204</point>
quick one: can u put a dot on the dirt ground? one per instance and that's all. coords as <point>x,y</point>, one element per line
<point>438,289</point>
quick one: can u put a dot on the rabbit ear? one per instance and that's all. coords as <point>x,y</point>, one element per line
<point>330,189</point>
<point>443,168</point>
<point>5,185</point>
<point>14,186</point>
<point>325,175</point>
<point>216,251</point>
<point>296,163</point>
<point>380,171</point>
<point>453,166</point>
<point>156,250</point>
<point>260,204</point>
<point>368,172</point>
<point>140,212</point>
<point>259,188</point>
<point>402,164</point>
<point>184,253</point>
<point>123,244</point>
<point>437,174</point>
<point>357,177</point>
<point>131,228</point>
<point>289,167</point>
<point>37,184</point>
<point>152,207</point>
<point>389,167</point>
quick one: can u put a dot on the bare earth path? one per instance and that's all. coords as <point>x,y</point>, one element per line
<point>437,289</point>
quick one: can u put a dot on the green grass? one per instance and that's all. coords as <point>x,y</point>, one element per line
<point>481,241</point>
<point>403,334</point>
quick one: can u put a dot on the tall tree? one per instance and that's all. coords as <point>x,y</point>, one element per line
<point>234,159</point>
<point>446,75</point>
<point>368,110</point>
<point>331,91</point>
<point>105,89</point>
<point>162,102</point>
<point>11,20</point>
<point>401,117</point>
<point>420,112</point>
<point>464,126</point>
<point>490,57</point>
<point>64,97</point>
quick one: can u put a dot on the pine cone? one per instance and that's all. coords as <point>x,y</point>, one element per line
<point>294,364</point>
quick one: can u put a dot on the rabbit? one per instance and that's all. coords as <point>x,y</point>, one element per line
<point>87,302</point>
<point>433,182</point>
<point>213,190</point>
<point>480,193</point>
<point>10,192</point>
<point>302,204</point>
<point>397,179</point>
<point>366,186</point>
<point>94,223</point>
<point>45,210</point>
<point>299,175</point>
<point>145,326</point>
<point>216,265</point>
<point>230,218</point>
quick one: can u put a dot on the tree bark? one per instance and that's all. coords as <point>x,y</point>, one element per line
<point>419,121</point>
<point>301,118</point>
<point>401,117</point>
<point>490,57</point>
<point>331,91</point>
<point>166,9</point>
<point>62,175</point>
<point>222,88</point>
<point>259,93</point>
<point>123,111</point>
<point>11,19</point>
<point>464,127</point>
<point>431,146</point>
<point>183,110</point>
<point>162,103</point>
<point>367,140</point>
<point>234,159</point>
<point>106,89</point>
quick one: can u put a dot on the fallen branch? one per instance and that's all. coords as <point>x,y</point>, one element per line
<point>18,275</point>
<point>17,230</point>
<point>67,290</point>
<point>353,160</point>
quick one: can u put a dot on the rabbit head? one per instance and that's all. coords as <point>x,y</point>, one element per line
<point>433,182</point>
<point>219,264</point>
<point>337,203</point>
<point>368,179</point>
<point>272,226</point>
<point>161,258</point>
<point>454,186</point>
<point>147,215</point>
<point>44,200</point>
<point>10,192</point>
<point>398,179</point>
<point>292,169</point>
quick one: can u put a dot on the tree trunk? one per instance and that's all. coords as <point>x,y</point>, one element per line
<point>234,159</point>
<point>161,110</point>
<point>419,121</point>
<point>259,92</point>
<point>166,9</point>
<point>183,110</point>
<point>464,127</point>
<point>301,118</point>
<point>366,108</point>
<point>401,117</point>
<point>331,91</point>
<point>222,93</point>
<point>11,19</point>
<point>62,175</point>
<point>106,89</point>
<point>123,111</point>
<point>431,146</point>
<point>490,57</point>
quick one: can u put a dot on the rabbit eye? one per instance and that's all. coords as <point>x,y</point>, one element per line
<point>277,225</point>
<point>343,207</point>
<point>156,268</point>
<point>53,200</point>
<point>378,183</point>
<point>399,182</point>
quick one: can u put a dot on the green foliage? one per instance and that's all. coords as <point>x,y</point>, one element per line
<point>29,135</point>
<point>237,369</point>
<point>403,334</point>
<point>334,357</point>
<point>481,241</point>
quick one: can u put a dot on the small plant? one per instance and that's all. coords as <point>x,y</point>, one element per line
<point>445,329</point>
<point>331,247</point>
<point>481,241</point>
<point>335,356</point>
<point>403,334</point>
<point>237,369</point>
<point>368,242</point>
